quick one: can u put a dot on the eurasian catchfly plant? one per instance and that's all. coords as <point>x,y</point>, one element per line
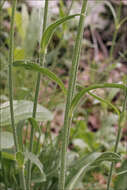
<point>21,172</point>
<point>33,159</point>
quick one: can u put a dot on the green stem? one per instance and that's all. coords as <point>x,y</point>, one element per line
<point>10,74</point>
<point>37,93</point>
<point>117,139</point>
<point>22,180</point>
<point>71,89</point>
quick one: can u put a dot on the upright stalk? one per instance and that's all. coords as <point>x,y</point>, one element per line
<point>11,50</point>
<point>10,74</point>
<point>117,138</point>
<point>41,59</point>
<point>71,89</point>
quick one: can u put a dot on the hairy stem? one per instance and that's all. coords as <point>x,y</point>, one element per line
<point>22,179</point>
<point>71,89</point>
<point>10,74</point>
<point>42,59</point>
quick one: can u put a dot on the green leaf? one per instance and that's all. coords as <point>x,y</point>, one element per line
<point>46,72</point>
<point>121,173</point>
<point>82,165</point>
<point>51,29</point>
<point>34,124</point>
<point>34,159</point>
<point>106,102</point>
<point>22,111</point>
<point>84,90</point>
<point>20,158</point>
<point>6,140</point>
<point>19,129</point>
<point>7,155</point>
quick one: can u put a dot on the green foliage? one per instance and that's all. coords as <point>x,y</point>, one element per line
<point>32,157</point>
<point>23,111</point>
<point>50,30</point>
<point>34,67</point>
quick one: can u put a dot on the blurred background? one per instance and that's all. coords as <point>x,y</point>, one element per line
<point>103,59</point>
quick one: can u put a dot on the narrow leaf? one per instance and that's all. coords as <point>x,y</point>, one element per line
<point>46,72</point>
<point>84,90</point>
<point>106,102</point>
<point>82,165</point>
<point>34,159</point>
<point>51,29</point>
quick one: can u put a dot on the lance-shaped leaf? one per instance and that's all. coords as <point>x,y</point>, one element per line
<point>34,159</point>
<point>22,111</point>
<point>84,90</point>
<point>84,164</point>
<point>51,29</point>
<point>106,102</point>
<point>46,72</point>
<point>34,124</point>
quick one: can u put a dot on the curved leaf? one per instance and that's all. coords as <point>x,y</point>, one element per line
<point>34,67</point>
<point>51,29</point>
<point>112,10</point>
<point>20,158</point>
<point>84,90</point>
<point>82,165</point>
<point>23,110</point>
<point>34,124</point>
<point>106,102</point>
<point>6,140</point>
<point>34,159</point>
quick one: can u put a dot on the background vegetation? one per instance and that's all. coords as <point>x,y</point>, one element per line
<point>97,117</point>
